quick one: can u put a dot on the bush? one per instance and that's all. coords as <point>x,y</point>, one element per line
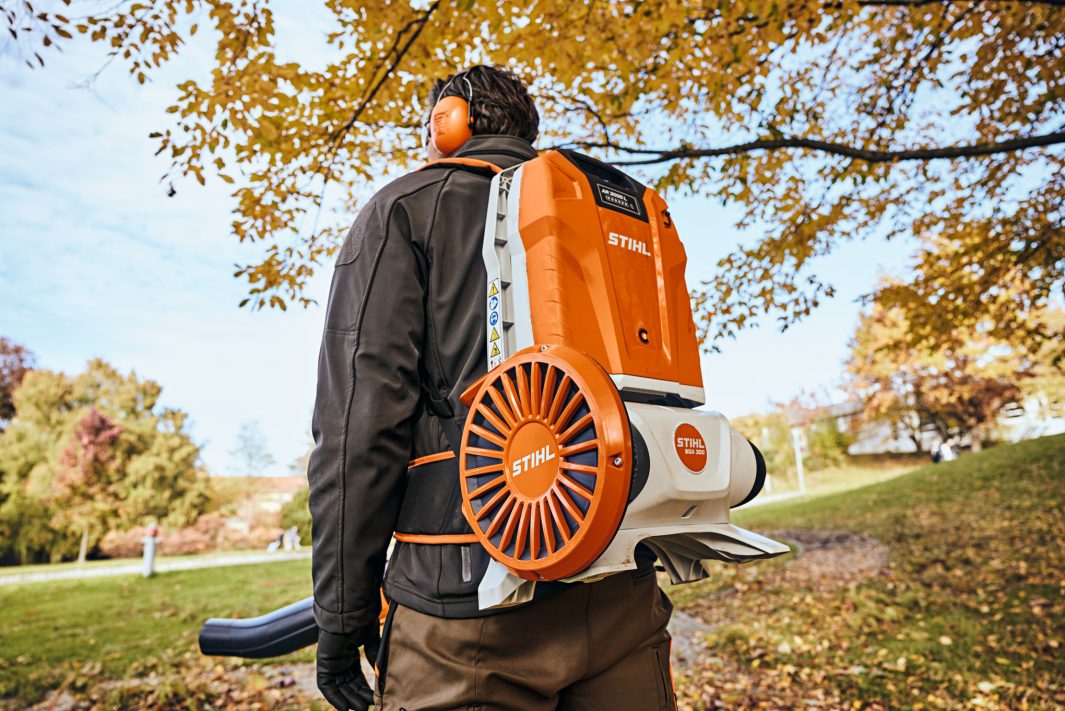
<point>208,534</point>
<point>827,444</point>
<point>772,435</point>
<point>26,533</point>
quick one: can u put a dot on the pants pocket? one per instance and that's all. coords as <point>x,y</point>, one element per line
<point>667,698</point>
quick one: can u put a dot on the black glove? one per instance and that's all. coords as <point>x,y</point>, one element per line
<point>340,677</point>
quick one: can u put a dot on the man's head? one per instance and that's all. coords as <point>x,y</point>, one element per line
<point>499,103</point>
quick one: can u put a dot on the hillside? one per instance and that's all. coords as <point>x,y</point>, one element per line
<point>939,588</point>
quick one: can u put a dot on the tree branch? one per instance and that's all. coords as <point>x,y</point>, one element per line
<point>399,52</point>
<point>974,150</point>
<point>417,24</point>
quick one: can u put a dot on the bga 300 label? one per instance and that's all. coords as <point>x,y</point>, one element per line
<point>690,447</point>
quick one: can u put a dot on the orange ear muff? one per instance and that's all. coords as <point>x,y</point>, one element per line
<point>449,124</point>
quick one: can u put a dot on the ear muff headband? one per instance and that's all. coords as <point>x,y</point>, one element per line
<point>450,121</point>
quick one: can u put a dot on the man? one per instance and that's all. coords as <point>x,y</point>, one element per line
<point>404,336</point>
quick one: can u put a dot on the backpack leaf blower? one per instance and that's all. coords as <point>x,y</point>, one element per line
<point>583,439</point>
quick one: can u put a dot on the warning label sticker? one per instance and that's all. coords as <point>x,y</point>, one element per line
<point>495,352</point>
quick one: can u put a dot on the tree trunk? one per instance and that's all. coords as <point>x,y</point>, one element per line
<point>976,442</point>
<point>83,551</point>
<point>917,443</point>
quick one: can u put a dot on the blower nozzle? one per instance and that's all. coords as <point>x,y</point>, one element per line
<point>282,631</point>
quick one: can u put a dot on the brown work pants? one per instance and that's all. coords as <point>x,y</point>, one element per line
<point>598,646</point>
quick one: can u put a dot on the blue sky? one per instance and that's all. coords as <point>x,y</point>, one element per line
<point>96,261</point>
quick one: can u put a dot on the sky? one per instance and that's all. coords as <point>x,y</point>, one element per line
<point>97,261</point>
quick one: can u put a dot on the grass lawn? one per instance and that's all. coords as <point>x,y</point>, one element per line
<point>857,471</point>
<point>950,596</point>
<point>77,631</point>
<point>967,611</point>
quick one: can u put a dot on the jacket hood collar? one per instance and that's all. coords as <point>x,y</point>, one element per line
<point>504,151</point>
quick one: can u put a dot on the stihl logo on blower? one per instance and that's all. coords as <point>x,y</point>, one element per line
<point>691,447</point>
<point>532,460</point>
<point>615,239</point>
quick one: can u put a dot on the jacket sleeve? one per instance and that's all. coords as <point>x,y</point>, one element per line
<point>368,389</point>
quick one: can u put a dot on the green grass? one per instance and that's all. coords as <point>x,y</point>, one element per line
<point>968,611</point>
<point>109,628</point>
<point>975,558</point>
<point>856,472</point>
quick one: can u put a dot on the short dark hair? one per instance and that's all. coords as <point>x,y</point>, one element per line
<point>501,103</point>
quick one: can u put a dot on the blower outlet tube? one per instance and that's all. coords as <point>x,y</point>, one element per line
<point>282,631</point>
<point>747,471</point>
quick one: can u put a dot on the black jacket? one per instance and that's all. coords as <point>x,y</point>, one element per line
<point>406,313</point>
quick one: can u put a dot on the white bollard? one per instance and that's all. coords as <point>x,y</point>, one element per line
<point>150,541</point>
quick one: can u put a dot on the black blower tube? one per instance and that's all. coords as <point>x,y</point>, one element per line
<point>282,631</point>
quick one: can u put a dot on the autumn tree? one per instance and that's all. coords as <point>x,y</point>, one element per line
<point>955,391</point>
<point>85,486</point>
<point>1043,394</point>
<point>91,453</point>
<point>15,362</point>
<point>824,121</point>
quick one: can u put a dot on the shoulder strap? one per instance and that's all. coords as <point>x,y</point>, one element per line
<point>453,433</point>
<point>439,405</point>
<point>436,404</point>
<point>474,163</point>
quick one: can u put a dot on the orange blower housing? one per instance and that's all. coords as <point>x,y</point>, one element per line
<point>545,462</point>
<point>589,329</point>
<point>595,264</point>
